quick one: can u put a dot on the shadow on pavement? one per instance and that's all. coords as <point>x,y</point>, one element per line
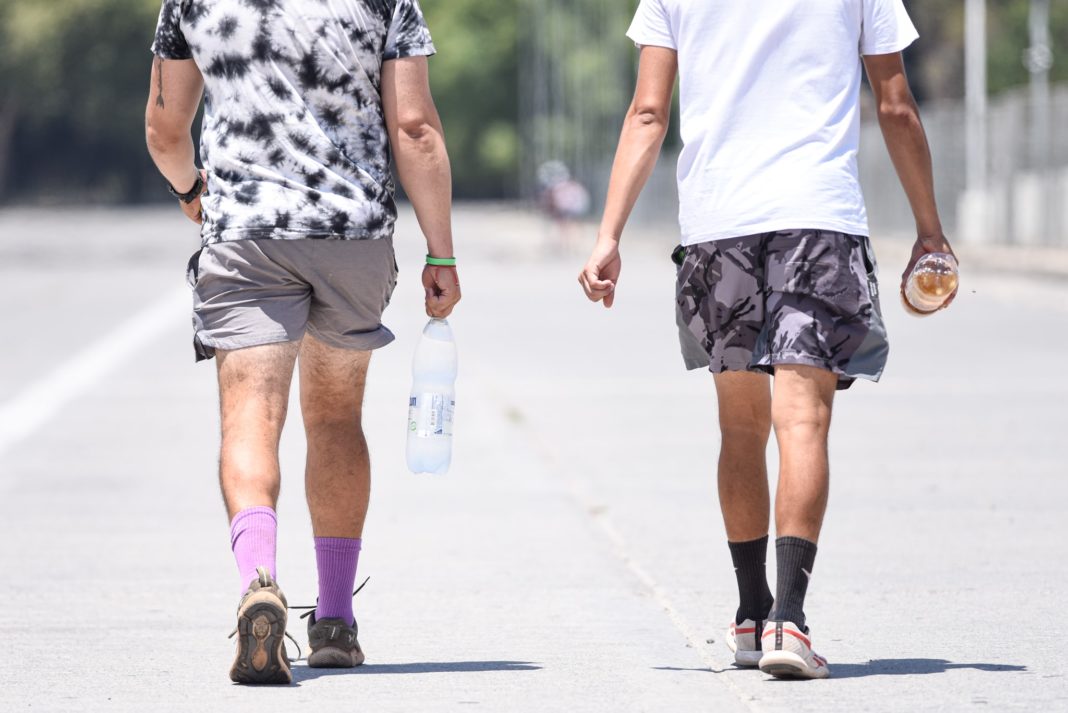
<point>904,667</point>
<point>879,667</point>
<point>303,673</point>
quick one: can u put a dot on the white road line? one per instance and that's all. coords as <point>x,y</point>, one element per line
<point>39,402</point>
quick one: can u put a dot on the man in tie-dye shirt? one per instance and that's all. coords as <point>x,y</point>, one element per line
<point>304,103</point>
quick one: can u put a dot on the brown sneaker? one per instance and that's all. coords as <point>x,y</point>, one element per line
<point>333,644</point>
<point>261,628</point>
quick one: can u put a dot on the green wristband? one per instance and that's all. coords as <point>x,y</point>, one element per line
<point>441,261</point>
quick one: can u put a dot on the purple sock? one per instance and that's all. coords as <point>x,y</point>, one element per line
<point>253,536</point>
<point>336,558</point>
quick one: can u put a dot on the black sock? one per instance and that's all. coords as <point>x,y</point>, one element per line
<point>794,557</point>
<point>749,567</point>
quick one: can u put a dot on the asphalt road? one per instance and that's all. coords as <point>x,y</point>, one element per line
<point>573,560</point>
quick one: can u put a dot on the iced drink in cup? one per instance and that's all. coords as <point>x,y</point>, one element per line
<point>932,281</point>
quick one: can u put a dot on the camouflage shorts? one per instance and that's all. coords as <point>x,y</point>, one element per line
<point>791,297</point>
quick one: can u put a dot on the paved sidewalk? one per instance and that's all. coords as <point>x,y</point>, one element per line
<point>574,558</point>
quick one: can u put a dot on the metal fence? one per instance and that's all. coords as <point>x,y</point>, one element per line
<point>1026,198</point>
<point>576,69</point>
<point>1025,201</point>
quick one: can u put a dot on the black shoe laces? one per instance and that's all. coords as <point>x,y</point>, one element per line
<point>310,610</point>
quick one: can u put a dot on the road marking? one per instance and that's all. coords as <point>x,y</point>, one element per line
<point>622,550</point>
<point>577,489</point>
<point>39,402</point>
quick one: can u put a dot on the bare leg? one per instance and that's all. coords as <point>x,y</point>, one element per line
<point>338,474</point>
<point>745,425</point>
<point>254,397</point>
<point>801,413</point>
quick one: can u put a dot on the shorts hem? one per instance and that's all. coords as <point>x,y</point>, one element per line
<point>767,365</point>
<point>845,379</point>
<point>206,346</point>
<point>364,342</point>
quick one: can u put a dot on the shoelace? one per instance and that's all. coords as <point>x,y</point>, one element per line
<point>305,615</point>
<point>311,609</point>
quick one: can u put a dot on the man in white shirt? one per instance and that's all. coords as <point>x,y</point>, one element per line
<point>776,275</point>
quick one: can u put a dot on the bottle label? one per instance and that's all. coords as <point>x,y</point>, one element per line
<point>430,415</point>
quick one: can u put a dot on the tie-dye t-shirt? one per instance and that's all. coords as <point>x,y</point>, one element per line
<point>294,137</point>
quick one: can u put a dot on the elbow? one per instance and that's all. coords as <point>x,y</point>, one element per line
<point>418,132</point>
<point>652,119</point>
<point>899,112</point>
<point>161,139</point>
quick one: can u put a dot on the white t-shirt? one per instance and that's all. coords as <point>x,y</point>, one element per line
<point>770,108</point>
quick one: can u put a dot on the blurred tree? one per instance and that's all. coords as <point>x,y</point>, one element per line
<point>74,79</point>
<point>937,60</point>
<point>474,83</point>
<point>75,76</point>
<point>1009,37</point>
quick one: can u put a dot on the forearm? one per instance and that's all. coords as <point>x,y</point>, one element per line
<point>639,147</point>
<point>906,142</point>
<point>424,171</point>
<point>175,157</point>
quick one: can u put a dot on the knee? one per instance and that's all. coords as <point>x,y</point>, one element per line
<point>324,417</point>
<point>801,419</point>
<point>248,470</point>
<point>744,432</point>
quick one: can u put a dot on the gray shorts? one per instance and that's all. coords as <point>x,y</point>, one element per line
<point>805,297</point>
<point>252,292</point>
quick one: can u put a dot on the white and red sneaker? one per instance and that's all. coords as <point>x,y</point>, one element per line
<point>788,653</point>
<point>744,642</point>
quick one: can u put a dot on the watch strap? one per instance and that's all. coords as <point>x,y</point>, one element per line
<point>194,192</point>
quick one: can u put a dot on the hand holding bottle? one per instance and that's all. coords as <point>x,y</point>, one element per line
<point>442,285</point>
<point>930,274</point>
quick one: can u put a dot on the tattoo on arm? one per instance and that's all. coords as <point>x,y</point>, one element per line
<point>159,81</point>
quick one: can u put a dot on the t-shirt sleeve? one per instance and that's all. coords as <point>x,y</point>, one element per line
<point>408,34</point>
<point>170,42</point>
<point>887,27</point>
<point>652,26</point>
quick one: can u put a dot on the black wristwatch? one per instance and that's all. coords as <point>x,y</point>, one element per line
<point>193,193</point>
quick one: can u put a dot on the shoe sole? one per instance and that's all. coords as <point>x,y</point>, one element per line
<point>334,657</point>
<point>788,665</point>
<point>260,658</point>
<point>748,659</point>
<point>743,658</point>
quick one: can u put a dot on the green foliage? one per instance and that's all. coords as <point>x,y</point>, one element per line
<point>74,81</point>
<point>473,77</point>
<point>76,72</point>
<point>1007,29</point>
<point>936,62</point>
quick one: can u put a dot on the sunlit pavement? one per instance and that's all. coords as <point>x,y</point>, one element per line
<point>574,558</point>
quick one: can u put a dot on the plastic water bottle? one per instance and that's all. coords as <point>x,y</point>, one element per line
<point>931,282</point>
<point>430,408</point>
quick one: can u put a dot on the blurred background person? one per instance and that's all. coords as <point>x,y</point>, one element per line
<point>565,203</point>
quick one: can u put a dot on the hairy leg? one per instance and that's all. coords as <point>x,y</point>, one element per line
<point>338,474</point>
<point>745,425</point>
<point>253,396</point>
<point>801,414</point>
